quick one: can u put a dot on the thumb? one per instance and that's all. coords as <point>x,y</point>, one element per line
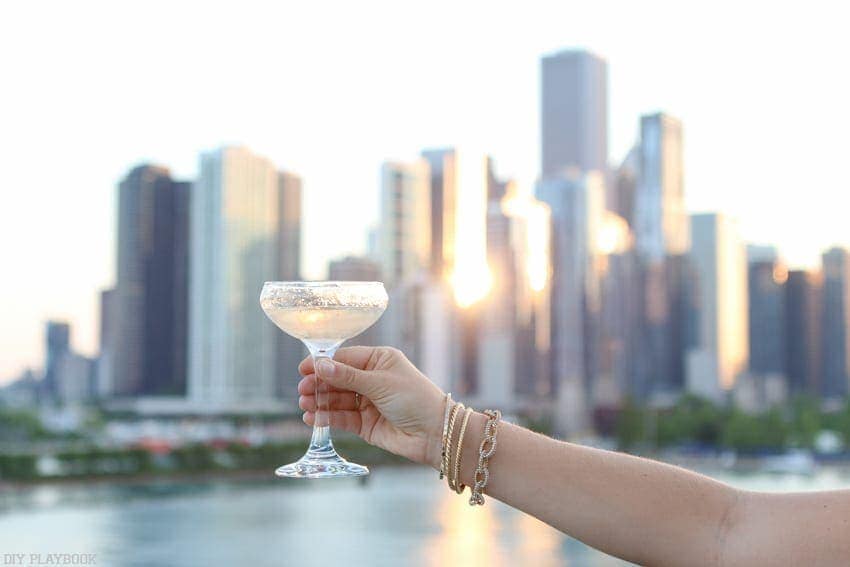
<point>344,376</point>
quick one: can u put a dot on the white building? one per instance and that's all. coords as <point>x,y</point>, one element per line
<point>719,259</point>
<point>234,238</point>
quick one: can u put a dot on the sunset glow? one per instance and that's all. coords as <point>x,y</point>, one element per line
<point>536,219</point>
<point>471,278</point>
<point>614,236</point>
<point>471,284</point>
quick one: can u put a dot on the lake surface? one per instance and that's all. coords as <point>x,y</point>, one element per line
<point>401,516</point>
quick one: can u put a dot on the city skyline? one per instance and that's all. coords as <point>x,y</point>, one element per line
<point>81,177</point>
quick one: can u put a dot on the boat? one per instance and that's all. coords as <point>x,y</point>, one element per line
<point>795,461</point>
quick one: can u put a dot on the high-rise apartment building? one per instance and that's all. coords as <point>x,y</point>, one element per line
<point>574,112</point>
<point>236,232</point>
<point>405,228</point>
<point>720,353</point>
<point>836,323</point>
<point>150,303</point>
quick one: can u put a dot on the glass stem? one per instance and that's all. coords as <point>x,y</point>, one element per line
<point>320,443</point>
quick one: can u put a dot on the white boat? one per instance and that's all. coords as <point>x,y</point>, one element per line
<point>795,461</point>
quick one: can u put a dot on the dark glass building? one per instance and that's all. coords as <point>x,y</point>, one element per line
<point>836,323</point>
<point>58,337</point>
<point>803,346</point>
<point>150,301</point>
<point>767,317</point>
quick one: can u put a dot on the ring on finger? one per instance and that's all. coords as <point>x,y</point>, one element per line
<point>356,401</point>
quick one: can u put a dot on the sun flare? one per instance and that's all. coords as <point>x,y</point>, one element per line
<point>471,284</point>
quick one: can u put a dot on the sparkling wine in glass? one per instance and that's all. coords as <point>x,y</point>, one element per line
<point>323,315</point>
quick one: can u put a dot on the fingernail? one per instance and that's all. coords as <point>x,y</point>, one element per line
<point>326,367</point>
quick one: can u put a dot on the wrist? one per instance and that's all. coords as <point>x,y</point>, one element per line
<point>434,437</point>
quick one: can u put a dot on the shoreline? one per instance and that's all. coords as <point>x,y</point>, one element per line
<point>707,464</point>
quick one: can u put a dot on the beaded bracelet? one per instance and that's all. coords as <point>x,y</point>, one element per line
<point>482,472</point>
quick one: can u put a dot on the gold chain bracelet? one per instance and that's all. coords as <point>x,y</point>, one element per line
<point>482,472</point>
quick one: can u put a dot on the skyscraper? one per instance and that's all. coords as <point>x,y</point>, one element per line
<point>354,269</point>
<point>617,354</point>
<point>767,314</point>
<point>577,205</point>
<point>621,195</point>
<point>405,227</point>
<point>720,353</point>
<point>103,366</point>
<point>660,226</point>
<point>358,269</point>
<point>513,355</point>
<point>290,351</point>
<point>235,239</point>
<point>58,339</point>
<point>150,310</point>
<point>75,379</point>
<point>836,323</point>
<point>661,221</point>
<point>803,331</point>
<point>574,112</point>
<point>289,233</point>
<point>442,166</point>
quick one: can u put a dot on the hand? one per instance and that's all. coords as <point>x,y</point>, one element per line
<point>400,410</point>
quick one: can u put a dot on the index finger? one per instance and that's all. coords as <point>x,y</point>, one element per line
<point>356,356</point>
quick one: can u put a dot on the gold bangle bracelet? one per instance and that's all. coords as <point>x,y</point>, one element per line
<point>459,486</point>
<point>452,419</point>
<point>444,439</point>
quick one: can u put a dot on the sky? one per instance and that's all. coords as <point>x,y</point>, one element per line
<point>331,89</point>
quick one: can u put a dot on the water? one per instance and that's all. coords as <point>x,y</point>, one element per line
<point>401,516</point>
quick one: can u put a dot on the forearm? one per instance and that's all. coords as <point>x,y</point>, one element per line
<point>640,510</point>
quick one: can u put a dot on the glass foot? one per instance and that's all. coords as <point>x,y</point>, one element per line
<point>321,466</point>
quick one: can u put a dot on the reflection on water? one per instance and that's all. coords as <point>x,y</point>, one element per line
<point>402,516</point>
<point>463,537</point>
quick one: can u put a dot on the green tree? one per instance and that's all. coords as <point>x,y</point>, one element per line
<point>805,421</point>
<point>631,426</point>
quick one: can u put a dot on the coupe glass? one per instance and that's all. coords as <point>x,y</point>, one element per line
<point>323,315</point>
